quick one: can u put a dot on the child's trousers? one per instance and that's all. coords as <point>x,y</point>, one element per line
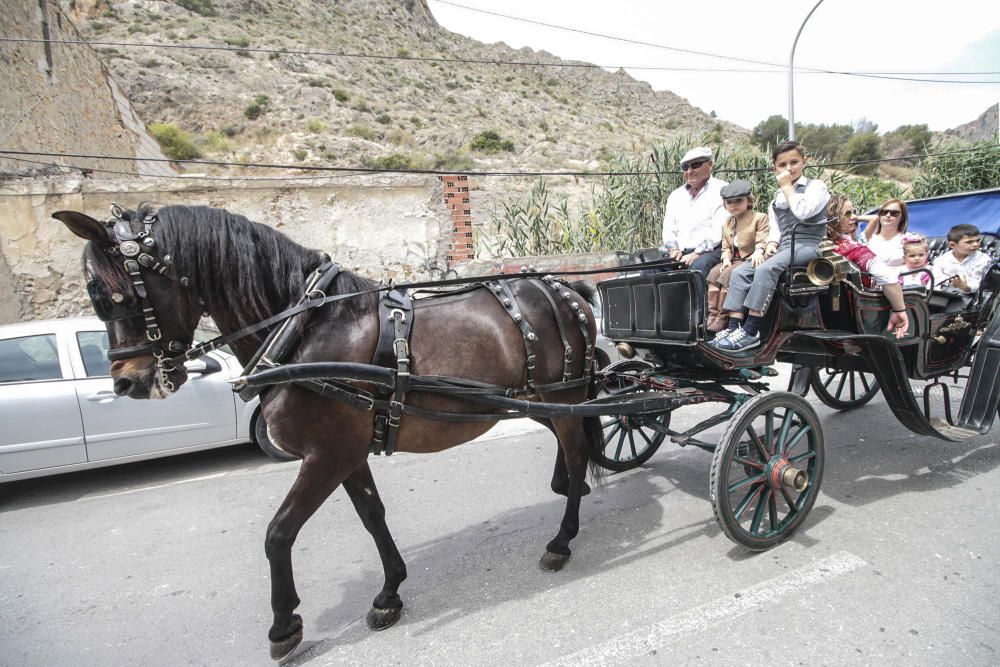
<point>754,288</point>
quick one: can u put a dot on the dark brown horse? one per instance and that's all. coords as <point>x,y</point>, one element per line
<point>209,261</point>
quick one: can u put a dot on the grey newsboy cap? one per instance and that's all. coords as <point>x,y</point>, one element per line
<point>736,189</point>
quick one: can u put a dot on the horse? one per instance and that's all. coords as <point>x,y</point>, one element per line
<point>207,261</point>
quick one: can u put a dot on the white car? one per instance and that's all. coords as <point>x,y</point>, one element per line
<point>59,413</point>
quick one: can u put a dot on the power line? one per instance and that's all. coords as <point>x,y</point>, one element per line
<point>516,63</point>
<point>452,172</point>
<point>694,51</point>
<point>182,177</point>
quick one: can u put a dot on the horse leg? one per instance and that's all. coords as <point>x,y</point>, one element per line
<point>312,487</point>
<point>573,444</point>
<point>388,606</point>
<point>560,477</point>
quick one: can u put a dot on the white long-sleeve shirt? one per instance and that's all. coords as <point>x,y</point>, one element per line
<point>695,222</point>
<point>973,267</point>
<point>813,198</point>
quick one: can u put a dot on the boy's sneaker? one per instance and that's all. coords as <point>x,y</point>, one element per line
<point>720,336</point>
<point>739,340</point>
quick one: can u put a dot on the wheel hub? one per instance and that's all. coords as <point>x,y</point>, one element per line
<point>781,473</point>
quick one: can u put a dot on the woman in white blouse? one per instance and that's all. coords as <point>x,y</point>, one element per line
<point>885,234</point>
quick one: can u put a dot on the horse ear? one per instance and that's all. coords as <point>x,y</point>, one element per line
<point>84,226</point>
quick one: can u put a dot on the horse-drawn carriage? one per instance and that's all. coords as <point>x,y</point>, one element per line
<point>768,464</point>
<point>351,367</point>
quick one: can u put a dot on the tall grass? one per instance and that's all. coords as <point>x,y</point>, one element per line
<point>960,172</point>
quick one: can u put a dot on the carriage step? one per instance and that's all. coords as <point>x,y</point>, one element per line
<point>952,432</point>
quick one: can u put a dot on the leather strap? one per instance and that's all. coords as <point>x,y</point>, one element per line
<point>501,290</point>
<point>395,323</point>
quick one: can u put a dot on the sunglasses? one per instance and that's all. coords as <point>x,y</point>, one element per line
<point>847,214</point>
<point>697,164</point>
<point>891,213</point>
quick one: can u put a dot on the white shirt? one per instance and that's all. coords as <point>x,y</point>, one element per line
<point>695,222</point>
<point>890,252</point>
<point>972,268</point>
<point>811,200</point>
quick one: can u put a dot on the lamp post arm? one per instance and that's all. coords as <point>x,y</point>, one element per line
<point>791,75</point>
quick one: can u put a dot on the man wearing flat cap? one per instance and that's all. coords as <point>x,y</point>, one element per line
<point>692,226</point>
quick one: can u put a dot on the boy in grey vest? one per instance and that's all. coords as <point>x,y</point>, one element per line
<point>800,203</point>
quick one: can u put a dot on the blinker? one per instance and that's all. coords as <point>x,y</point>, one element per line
<point>111,307</point>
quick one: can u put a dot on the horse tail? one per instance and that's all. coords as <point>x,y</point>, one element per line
<point>595,436</point>
<point>591,425</point>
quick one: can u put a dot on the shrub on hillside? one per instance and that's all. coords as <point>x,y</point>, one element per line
<point>175,142</point>
<point>490,141</point>
<point>259,105</point>
<point>202,7</point>
<point>362,132</point>
<point>390,162</point>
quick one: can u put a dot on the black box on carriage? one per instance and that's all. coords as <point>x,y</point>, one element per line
<point>657,308</point>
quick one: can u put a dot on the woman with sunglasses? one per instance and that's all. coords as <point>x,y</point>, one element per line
<point>885,235</point>
<point>840,230</point>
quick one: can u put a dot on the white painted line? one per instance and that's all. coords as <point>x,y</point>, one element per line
<point>694,621</point>
<point>150,488</point>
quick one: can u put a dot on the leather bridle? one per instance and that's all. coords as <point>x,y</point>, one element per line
<point>136,249</point>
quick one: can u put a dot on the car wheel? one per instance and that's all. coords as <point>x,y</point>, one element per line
<point>263,440</point>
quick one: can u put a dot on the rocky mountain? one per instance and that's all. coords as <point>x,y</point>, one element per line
<point>370,82</point>
<point>983,128</point>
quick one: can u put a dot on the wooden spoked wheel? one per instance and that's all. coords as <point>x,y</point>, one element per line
<point>844,390</point>
<point>627,441</point>
<point>767,469</point>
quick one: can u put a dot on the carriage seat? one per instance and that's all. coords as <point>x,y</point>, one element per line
<point>938,245</point>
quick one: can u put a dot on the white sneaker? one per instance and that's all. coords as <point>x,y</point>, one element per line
<point>722,334</point>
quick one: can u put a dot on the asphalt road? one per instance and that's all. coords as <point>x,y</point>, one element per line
<point>162,563</point>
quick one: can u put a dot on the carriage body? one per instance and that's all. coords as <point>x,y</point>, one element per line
<point>837,328</point>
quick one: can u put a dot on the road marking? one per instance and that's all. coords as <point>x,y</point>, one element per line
<point>150,488</point>
<point>694,621</point>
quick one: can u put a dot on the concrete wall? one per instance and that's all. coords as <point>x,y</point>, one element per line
<point>59,98</point>
<point>383,227</point>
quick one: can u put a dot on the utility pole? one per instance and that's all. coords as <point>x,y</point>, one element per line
<point>791,76</point>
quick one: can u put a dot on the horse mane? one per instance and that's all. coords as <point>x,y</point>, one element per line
<point>243,271</point>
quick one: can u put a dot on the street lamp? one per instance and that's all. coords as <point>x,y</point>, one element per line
<point>791,76</point>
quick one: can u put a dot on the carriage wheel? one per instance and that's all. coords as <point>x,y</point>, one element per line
<point>844,390</point>
<point>627,441</point>
<point>767,470</point>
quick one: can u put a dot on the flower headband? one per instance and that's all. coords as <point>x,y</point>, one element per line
<point>912,239</point>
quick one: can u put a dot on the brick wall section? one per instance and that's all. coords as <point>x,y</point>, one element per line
<point>456,200</point>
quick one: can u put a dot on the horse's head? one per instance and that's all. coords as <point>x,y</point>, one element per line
<point>149,314</point>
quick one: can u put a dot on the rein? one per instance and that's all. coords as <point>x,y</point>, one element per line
<point>217,342</point>
<point>136,248</point>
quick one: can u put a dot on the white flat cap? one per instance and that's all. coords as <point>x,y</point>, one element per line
<point>699,153</point>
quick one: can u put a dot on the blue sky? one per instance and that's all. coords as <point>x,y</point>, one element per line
<point>852,35</point>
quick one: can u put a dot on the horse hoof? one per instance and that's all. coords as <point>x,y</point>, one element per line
<point>283,648</point>
<point>552,562</point>
<point>380,619</point>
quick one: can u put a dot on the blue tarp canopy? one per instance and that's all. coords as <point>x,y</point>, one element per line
<point>935,216</point>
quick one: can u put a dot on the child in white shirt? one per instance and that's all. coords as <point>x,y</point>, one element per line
<point>963,266</point>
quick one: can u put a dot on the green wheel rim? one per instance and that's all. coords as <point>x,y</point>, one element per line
<point>773,443</point>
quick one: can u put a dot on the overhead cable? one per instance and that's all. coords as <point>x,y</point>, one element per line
<point>484,61</point>
<point>452,172</point>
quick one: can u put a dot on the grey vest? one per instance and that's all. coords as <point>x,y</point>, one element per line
<point>808,234</point>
